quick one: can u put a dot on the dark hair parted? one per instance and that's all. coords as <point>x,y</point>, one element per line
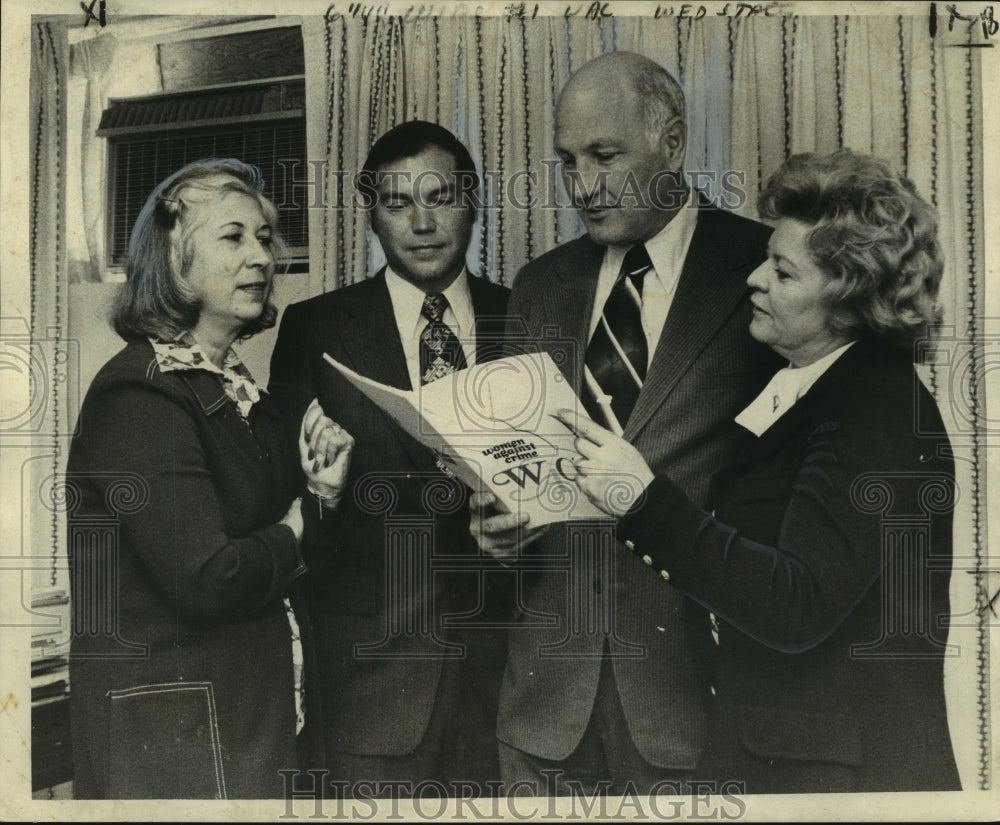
<point>407,140</point>
<point>156,299</point>
<point>872,234</point>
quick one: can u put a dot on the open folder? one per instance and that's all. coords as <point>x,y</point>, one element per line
<point>492,425</point>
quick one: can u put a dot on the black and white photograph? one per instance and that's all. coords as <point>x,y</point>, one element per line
<point>499,411</point>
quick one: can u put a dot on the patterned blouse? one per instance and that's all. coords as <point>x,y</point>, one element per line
<point>184,353</point>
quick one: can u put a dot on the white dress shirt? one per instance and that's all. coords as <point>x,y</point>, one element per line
<point>667,250</point>
<point>407,301</point>
<point>786,387</point>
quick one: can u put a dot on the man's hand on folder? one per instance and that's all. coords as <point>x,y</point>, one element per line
<point>502,535</point>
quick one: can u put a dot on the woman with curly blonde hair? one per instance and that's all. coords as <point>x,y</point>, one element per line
<point>825,553</point>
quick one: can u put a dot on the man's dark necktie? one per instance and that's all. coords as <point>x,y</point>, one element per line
<point>440,351</point>
<point>617,356</point>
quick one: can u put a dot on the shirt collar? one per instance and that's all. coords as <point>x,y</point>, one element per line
<point>786,387</point>
<point>668,247</point>
<point>407,301</point>
<point>184,353</point>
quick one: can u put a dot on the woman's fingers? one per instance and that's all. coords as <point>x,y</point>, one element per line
<point>338,446</point>
<point>323,441</point>
<point>318,427</point>
<point>311,426</point>
<point>313,412</point>
<point>333,443</point>
<point>583,427</point>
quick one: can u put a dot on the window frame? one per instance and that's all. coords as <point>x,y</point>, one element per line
<point>286,91</point>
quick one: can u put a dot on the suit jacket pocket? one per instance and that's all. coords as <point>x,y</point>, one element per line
<point>165,742</point>
<point>800,735</point>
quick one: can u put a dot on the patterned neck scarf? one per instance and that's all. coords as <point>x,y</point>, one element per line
<point>184,353</point>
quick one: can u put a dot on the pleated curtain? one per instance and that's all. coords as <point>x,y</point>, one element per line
<point>758,90</point>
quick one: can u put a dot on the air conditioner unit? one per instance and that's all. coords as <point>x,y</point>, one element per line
<point>150,137</point>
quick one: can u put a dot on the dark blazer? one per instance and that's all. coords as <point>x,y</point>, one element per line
<point>181,667</point>
<point>381,646</point>
<point>827,563</point>
<point>705,368</point>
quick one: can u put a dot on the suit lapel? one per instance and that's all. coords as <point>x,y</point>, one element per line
<point>706,295</point>
<point>774,437</point>
<point>571,303</point>
<point>807,408</point>
<point>370,337</point>
<point>489,309</point>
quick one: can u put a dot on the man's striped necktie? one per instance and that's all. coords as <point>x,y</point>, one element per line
<point>616,359</point>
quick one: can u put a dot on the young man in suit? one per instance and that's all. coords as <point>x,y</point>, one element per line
<point>654,296</point>
<point>408,701</point>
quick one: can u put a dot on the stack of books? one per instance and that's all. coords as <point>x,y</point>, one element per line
<point>50,648</point>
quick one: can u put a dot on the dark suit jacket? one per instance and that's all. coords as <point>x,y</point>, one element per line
<point>181,666</point>
<point>381,647</point>
<point>705,368</point>
<point>828,564</point>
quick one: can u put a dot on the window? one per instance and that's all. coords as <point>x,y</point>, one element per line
<point>150,137</point>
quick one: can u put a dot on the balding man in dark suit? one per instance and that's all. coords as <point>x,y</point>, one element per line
<point>613,696</point>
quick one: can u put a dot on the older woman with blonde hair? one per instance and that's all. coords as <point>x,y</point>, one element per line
<point>824,557</point>
<point>196,692</point>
